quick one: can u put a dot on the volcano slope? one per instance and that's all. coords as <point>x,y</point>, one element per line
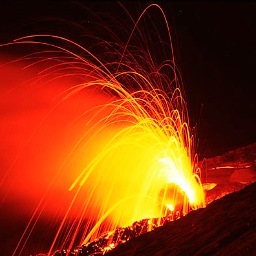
<point>227,226</point>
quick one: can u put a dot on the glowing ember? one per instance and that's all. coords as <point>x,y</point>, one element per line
<point>144,168</point>
<point>110,240</point>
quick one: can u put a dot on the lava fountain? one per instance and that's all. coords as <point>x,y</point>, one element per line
<point>141,162</point>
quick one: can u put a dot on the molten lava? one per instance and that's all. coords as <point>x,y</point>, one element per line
<point>128,156</point>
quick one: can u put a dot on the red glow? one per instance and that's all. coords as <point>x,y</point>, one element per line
<point>37,133</point>
<point>73,154</point>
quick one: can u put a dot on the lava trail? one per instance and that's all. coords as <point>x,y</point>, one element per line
<point>94,140</point>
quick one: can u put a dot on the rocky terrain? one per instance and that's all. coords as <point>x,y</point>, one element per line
<point>225,227</point>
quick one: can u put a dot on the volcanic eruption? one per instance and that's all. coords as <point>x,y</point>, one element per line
<point>139,162</point>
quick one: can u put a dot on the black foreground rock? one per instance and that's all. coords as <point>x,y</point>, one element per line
<point>225,227</point>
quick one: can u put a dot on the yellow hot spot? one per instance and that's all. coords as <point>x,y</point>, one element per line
<point>139,154</point>
<point>126,178</point>
<point>170,207</point>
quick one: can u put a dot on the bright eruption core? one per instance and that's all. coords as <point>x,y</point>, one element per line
<point>144,157</point>
<point>125,150</point>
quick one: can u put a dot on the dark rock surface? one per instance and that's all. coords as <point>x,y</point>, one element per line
<point>225,227</point>
<point>237,165</point>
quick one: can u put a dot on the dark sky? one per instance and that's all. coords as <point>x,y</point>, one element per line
<point>215,48</point>
<point>216,43</point>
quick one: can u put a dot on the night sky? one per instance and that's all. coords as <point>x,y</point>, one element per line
<point>217,57</point>
<point>214,46</point>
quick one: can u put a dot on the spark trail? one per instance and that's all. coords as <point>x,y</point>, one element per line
<point>144,163</point>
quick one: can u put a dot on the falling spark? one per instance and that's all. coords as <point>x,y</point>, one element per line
<point>142,163</point>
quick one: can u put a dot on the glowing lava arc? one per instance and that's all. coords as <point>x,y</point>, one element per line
<point>149,154</point>
<point>147,162</point>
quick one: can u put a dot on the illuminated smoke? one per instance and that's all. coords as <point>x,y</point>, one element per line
<point>135,157</point>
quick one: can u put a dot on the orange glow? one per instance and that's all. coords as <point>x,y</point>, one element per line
<point>110,150</point>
